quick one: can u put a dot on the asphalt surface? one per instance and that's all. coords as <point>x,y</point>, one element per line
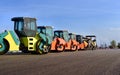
<point>97,62</point>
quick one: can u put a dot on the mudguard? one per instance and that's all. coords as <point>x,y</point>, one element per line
<point>12,39</point>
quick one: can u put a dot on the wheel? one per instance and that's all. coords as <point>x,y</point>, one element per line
<point>73,47</point>
<point>4,47</point>
<point>25,51</point>
<point>60,47</point>
<point>42,47</point>
<point>23,48</point>
<point>38,50</point>
<point>33,52</point>
<point>45,49</point>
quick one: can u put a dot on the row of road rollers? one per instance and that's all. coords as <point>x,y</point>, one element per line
<point>30,38</point>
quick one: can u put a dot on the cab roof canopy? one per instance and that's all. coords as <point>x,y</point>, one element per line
<point>72,34</point>
<point>90,36</point>
<point>45,26</point>
<point>62,30</point>
<point>21,18</point>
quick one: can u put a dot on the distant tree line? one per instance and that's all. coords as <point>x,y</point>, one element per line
<point>114,45</point>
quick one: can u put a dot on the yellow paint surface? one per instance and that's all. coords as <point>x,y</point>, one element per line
<point>13,46</point>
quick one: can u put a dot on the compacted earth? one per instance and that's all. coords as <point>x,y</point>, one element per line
<point>89,62</point>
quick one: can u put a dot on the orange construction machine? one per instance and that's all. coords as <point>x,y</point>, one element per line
<point>72,44</point>
<point>63,41</point>
<point>82,42</point>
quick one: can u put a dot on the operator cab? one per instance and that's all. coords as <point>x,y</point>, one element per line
<point>41,29</point>
<point>91,37</point>
<point>25,26</point>
<point>62,34</point>
<point>46,30</point>
<point>79,38</point>
<point>72,36</point>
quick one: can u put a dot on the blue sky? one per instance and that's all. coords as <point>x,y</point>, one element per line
<point>99,17</point>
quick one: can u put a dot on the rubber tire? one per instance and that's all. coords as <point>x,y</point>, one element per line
<point>60,49</point>
<point>47,50</point>
<point>75,48</point>
<point>38,51</point>
<point>6,48</point>
<point>23,49</point>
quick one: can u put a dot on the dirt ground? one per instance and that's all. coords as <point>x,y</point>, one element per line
<point>97,62</point>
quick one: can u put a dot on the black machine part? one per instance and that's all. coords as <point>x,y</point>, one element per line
<point>25,26</point>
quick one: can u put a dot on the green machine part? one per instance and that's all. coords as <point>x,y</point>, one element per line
<point>30,39</point>
<point>26,29</point>
<point>8,42</point>
<point>46,34</point>
<point>28,44</point>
